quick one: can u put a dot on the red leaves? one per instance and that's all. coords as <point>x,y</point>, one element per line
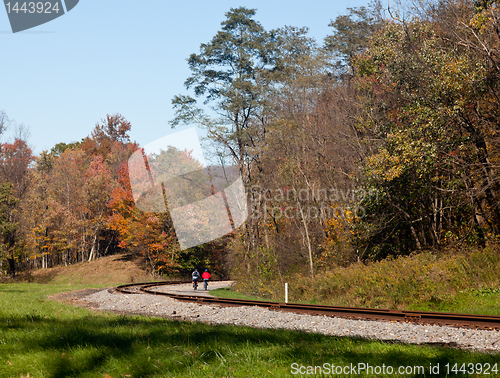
<point>114,127</point>
<point>15,159</point>
<point>146,232</point>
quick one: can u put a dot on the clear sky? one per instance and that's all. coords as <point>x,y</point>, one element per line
<point>122,56</point>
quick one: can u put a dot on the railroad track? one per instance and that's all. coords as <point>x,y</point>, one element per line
<point>421,317</point>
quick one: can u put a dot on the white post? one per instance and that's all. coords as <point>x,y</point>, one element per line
<point>286,292</point>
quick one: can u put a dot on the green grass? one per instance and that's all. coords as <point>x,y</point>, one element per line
<point>227,292</point>
<point>473,301</point>
<point>464,281</point>
<point>49,339</point>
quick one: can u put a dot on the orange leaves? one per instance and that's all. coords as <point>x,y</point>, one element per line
<point>385,166</point>
<point>147,233</point>
<point>114,127</point>
<point>15,159</point>
<point>340,228</point>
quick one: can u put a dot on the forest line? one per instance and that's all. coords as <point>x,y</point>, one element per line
<point>390,125</point>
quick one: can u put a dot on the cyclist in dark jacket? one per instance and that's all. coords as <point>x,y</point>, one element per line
<point>196,276</point>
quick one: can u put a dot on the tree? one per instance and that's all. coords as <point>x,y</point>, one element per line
<point>9,251</point>
<point>114,127</point>
<point>352,33</point>
<point>4,121</point>
<point>97,193</point>
<point>66,221</point>
<point>431,98</point>
<point>150,235</point>
<point>228,75</point>
<point>15,159</point>
<point>66,213</point>
<point>59,148</point>
<point>111,141</point>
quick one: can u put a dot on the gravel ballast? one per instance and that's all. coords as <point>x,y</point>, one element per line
<point>161,306</point>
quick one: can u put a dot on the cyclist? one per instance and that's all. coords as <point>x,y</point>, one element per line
<point>206,276</point>
<point>196,276</point>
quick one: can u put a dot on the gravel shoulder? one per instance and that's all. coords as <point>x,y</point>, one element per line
<point>251,316</point>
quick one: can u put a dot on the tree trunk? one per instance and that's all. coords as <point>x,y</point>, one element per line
<point>308,240</point>
<point>92,250</point>
<point>12,267</point>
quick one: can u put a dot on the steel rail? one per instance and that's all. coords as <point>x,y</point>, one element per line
<point>420,317</point>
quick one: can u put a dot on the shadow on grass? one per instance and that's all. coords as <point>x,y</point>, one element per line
<point>126,257</point>
<point>143,347</point>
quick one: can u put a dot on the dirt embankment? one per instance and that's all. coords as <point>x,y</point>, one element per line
<point>110,270</point>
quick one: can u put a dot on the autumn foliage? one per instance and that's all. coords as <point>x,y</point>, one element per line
<point>380,142</point>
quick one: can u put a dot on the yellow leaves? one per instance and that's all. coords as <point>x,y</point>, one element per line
<point>387,167</point>
<point>405,154</point>
<point>458,75</point>
<point>481,21</point>
<point>340,229</point>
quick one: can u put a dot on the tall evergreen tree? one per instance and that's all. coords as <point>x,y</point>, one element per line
<point>229,76</point>
<point>351,35</point>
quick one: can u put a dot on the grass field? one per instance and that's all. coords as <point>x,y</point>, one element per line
<point>45,338</point>
<point>228,292</point>
<point>40,337</point>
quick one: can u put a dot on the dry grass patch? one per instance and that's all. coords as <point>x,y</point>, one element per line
<point>457,281</point>
<point>109,270</point>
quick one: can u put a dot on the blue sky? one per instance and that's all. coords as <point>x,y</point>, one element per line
<point>122,56</point>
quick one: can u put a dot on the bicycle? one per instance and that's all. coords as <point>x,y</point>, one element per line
<point>205,284</point>
<point>195,284</point>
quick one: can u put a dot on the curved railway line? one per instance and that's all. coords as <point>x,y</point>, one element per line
<point>420,317</point>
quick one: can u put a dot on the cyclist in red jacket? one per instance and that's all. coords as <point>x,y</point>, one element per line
<point>206,276</point>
